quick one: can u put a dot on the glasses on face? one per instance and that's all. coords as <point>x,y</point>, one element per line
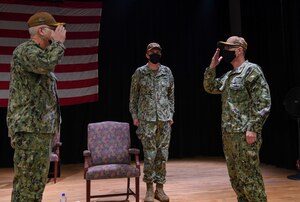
<point>48,28</point>
<point>230,47</point>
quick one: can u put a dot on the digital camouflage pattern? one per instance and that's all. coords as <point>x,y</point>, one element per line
<point>33,104</point>
<point>242,161</point>
<point>33,116</point>
<point>152,94</point>
<point>246,104</point>
<point>155,137</point>
<point>152,102</point>
<point>246,100</point>
<point>31,159</point>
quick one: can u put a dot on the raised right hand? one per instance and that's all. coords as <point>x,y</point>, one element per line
<point>59,34</point>
<point>216,59</point>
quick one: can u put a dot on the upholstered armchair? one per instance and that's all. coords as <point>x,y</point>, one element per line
<point>54,156</point>
<point>109,156</point>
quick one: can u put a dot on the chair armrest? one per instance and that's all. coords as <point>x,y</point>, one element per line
<point>86,153</point>
<point>55,148</point>
<point>58,144</point>
<point>136,153</point>
<point>87,161</point>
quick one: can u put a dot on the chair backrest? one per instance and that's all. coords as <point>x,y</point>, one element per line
<point>109,142</point>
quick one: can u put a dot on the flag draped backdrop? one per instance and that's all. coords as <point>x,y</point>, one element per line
<point>77,73</point>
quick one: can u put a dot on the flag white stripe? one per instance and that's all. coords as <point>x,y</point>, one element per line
<point>4,76</point>
<point>12,42</point>
<point>16,25</point>
<point>79,59</point>
<point>4,94</point>
<point>75,92</point>
<point>72,76</point>
<point>80,43</point>
<point>69,76</point>
<point>17,8</point>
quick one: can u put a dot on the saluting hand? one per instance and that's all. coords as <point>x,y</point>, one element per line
<point>59,34</point>
<point>216,59</point>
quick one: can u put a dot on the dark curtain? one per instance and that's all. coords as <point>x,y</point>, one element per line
<point>188,32</point>
<point>272,31</point>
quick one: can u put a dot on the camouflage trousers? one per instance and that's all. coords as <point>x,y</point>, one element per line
<point>31,166</point>
<point>155,138</point>
<point>243,167</point>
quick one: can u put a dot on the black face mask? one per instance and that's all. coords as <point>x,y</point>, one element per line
<point>154,58</point>
<point>228,56</point>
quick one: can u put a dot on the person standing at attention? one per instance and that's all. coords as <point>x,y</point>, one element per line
<point>152,107</point>
<point>246,104</point>
<point>33,115</point>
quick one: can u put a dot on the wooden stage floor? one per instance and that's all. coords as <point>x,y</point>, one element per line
<point>202,179</point>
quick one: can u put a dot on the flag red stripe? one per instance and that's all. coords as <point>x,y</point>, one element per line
<point>81,51</point>
<point>3,102</point>
<point>77,100</point>
<point>59,18</point>
<point>65,101</point>
<point>77,84</point>
<point>69,4</point>
<point>76,67</point>
<point>5,68</point>
<point>4,85</point>
<point>6,50</point>
<point>63,84</point>
<point>78,72</point>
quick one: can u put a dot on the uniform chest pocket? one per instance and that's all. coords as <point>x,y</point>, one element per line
<point>164,84</point>
<point>236,84</point>
<point>238,91</point>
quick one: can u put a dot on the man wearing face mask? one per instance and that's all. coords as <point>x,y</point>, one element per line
<point>246,104</point>
<point>152,108</point>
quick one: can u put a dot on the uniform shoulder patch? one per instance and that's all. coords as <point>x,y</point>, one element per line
<point>254,72</point>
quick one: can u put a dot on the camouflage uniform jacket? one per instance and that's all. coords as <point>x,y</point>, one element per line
<point>246,100</point>
<point>33,103</point>
<point>152,94</point>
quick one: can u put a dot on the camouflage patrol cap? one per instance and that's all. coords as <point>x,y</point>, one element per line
<point>43,18</point>
<point>233,41</point>
<point>153,45</point>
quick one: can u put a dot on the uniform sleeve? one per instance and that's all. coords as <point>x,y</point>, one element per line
<point>171,95</point>
<point>261,100</point>
<point>42,61</point>
<point>211,83</point>
<point>134,95</point>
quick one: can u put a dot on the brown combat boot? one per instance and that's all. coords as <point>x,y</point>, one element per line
<point>149,194</point>
<point>160,194</point>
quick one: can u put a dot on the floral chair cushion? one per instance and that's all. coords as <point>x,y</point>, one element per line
<point>109,142</point>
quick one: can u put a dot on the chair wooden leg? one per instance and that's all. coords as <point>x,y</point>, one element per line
<point>88,190</point>
<point>55,170</point>
<point>137,189</point>
<point>128,188</point>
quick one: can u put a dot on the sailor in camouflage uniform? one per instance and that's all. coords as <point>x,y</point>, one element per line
<point>246,104</point>
<point>33,115</point>
<point>152,108</point>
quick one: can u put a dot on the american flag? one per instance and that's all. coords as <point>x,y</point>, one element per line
<point>77,73</point>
